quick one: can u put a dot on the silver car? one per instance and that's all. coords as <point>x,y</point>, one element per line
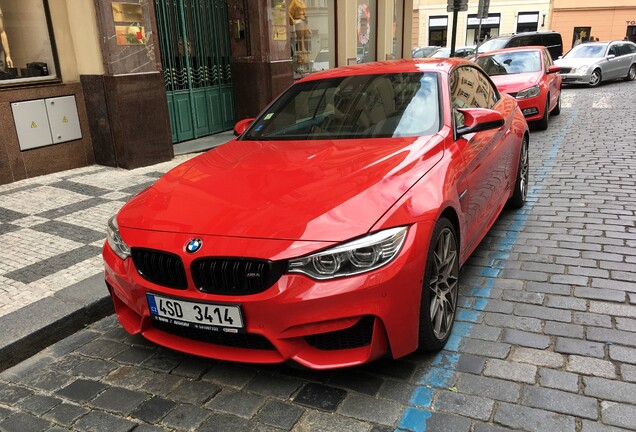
<point>593,62</point>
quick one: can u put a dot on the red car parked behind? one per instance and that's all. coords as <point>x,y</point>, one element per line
<point>529,75</point>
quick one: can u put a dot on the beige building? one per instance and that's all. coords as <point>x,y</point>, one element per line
<point>602,19</point>
<point>432,24</point>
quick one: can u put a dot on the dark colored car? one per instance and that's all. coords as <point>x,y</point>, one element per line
<point>550,39</point>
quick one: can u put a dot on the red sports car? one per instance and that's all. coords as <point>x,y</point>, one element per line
<point>332,230</point>
<point>529,75</point>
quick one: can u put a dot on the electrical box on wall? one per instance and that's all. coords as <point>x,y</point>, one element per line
<point>32,124</point>
<point>46,121</point>
<point>63,119</point>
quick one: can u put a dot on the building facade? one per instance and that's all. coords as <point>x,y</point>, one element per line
<point>432,24</point>
<point>580,20</point>
<point>119,83</point>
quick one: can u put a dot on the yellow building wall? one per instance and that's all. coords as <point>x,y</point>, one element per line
<point>606,22</point>
<point>509,10</point>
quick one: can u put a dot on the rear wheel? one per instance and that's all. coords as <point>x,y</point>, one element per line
<point>595,78</point>
<point>557,108</point>
<point>631,73</point>
<point>518,198</point>
<point>440,288</point>
<point>543,123</point>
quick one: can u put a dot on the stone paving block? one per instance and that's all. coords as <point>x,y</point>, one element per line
<point>355,381</point>
<point>485,348</point>
<point>148,428</point>
<point>466,405</point>
<point>224,422</point>
<point>163,360</point>
<point>533,420</point>
<point>38,404</point>
<point>135,355</point>
<point>82,390</point>
<point>628,372</point>
<point>490,388</point>
<point>559,380</point>
<point>398,391</point>
<point>591,366</point>
<point>613,309</point>
<point>23,422</point>
<point>65,414</point>
<point>130,377</point>
<point>610,390</point>
<point>193,367</point>
<point>538,357</point>
<point>579,346</point>
<point>154,409</point>
<point>229,374</point>
<point>97,421</point>
<point>620,415</point>
<point>471,363</point>
<point>94,368</point>
<point>370,409</point>
<point>532,340</point>
<point>279,414</point>
<point>185,416</point>
<point>600,294</point>
<point>238,403</point>
<point>568,303</point>
<point>273,385</point>
<point>626,324</point>
<point>484,332</point>
<point>320,397</point>
<point>592,319</point>
<point>561,402</point>
<point>102,348</point>
<point>524,297</point>
<point>590,426</point>
<point>614,336</point>
<point>447,422</point>
<point>316,421</point>
<point>563,329</point>
<point>119,400</point>
<point>194,392</point>
<point>10,394</point>
<point>398,369</point>
<point>513,322</point>
<point>162,384</point>
<point>487,427</point>
<point>548,288</point>
<point>542,312</point>
<point>519,372</point>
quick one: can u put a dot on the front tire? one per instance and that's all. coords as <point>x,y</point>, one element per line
<point>518,198</point>
<point>631,73</point>
<point>595,78</point>
<point>440,288</point>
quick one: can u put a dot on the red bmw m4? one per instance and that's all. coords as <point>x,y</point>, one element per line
<point>331,231</point>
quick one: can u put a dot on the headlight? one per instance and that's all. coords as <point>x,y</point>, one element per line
<point>580,70</point>
<point>529,93</point>
<point>115,241</point>
<point>354,257</point>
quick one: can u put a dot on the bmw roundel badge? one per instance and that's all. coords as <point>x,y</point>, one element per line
<point>193,245</point>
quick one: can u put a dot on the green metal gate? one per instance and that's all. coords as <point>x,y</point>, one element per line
<point>195,54</point>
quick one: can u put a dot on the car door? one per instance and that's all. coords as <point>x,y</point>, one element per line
<point>553,79</point>
<point>483,153</point>
<point>624,60</point>
<point>612,66</point>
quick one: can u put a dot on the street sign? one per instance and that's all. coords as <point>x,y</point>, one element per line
<point>482,9</point>
<point>457,5</point>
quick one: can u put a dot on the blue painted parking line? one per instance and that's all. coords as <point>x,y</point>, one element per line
<point>444,365</point>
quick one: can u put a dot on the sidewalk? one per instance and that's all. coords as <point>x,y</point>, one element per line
<point>52,229</point>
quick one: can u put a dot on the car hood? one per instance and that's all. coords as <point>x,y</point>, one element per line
<point>514,83</point>
<point>300,190</point>
<point>576,62</point>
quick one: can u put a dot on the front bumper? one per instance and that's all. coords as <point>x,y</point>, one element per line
<point>532,108</point>
<point>574,78</point>
<point>297,318</point>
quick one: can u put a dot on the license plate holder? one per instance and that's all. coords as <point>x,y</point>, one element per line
<point>226,318</point>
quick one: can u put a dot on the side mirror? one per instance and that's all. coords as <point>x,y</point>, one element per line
<point>610,56</point>
<point>554,69</point>
<point>242,125</point>
<point>479,119</point>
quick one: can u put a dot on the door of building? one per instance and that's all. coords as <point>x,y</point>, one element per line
<point>195,55</point>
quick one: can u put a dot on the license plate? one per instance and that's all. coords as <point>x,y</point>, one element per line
<point>203,316</point>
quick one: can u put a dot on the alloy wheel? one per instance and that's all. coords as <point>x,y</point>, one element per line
<point>595,78</point>
<point>524,168</point>
<point>443,284</point>
<point>632,73</point>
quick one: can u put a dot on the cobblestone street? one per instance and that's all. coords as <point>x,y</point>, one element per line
<point>545,339</point>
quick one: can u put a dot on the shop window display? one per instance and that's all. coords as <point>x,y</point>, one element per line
<point>26,54</point>
<point>312,32</point>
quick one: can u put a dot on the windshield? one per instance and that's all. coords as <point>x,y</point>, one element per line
<point>586,51</point>
<point>493,44</point>
<point>510,63</point>
<point>363,106</point>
